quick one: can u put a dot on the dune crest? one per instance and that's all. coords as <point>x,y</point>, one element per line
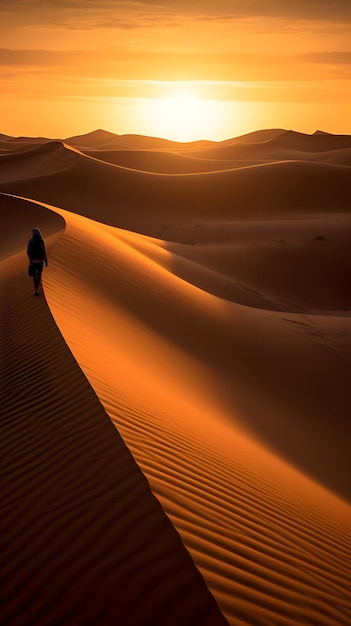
<point>83,539</point>
<point>211,478</point>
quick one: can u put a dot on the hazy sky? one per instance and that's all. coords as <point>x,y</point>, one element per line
<point>185,69</point>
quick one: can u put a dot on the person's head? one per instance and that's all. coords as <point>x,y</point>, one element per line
<point>36,233</point>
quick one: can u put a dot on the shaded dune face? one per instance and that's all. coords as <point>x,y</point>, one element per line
<point>293,264</point>
<point>216,339</point>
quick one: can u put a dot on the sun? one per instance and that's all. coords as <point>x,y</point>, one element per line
<point>181,112</point>
<point>181,116</point>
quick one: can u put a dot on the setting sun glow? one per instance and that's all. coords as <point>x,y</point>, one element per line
<point>174,70</point>
<point>182,117</point>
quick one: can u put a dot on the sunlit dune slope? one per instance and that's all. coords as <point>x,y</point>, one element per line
<point>83,539</point>
<point>186,377</point>
<point>246,349</point>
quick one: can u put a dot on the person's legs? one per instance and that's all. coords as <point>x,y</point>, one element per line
<point>37,277</point>
<point>36,280</point>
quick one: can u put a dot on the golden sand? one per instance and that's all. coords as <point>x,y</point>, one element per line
<point>176,403</point>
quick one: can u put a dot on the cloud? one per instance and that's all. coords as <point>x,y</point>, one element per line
<point>128,14</point>
<point>330,58</point>
<point>331,10</point>
<point>114,63</point>
<point>34,58</point>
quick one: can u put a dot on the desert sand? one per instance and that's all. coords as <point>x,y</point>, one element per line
<point>176,405</point>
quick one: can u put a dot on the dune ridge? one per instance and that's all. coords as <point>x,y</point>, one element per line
<point>176,434</point>
<point>216,336</point>
<point>83,539</point>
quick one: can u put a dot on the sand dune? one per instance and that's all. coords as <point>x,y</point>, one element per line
<point>17,144</point>
<point>154,161</point>
<point>146,202</point>
<point>109,141</point>
<point>271,144</point>
<point>216,337</point>
<point>83,538</point>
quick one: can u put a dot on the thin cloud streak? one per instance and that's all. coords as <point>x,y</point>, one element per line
<point>117,63</point>
<point>336,10</point>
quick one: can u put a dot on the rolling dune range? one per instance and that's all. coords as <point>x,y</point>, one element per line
<point>204,292</point>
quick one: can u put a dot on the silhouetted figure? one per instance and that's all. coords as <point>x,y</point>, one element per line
<point>37,255</point>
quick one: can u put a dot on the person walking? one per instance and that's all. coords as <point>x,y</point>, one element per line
<point>37,255</point>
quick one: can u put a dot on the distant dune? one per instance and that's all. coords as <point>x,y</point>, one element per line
<point>175,406</point>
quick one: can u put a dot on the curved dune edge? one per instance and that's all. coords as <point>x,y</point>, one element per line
<point>271,544</point>
<point>137,200</point>
<point>83,539</point>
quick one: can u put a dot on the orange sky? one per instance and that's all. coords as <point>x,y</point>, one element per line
<point>183,70</point>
